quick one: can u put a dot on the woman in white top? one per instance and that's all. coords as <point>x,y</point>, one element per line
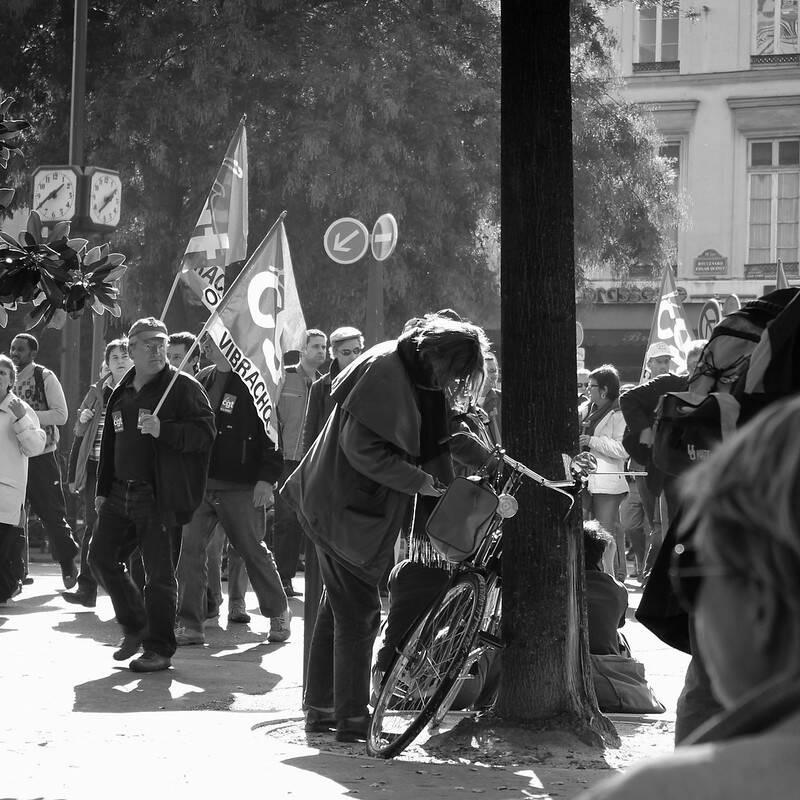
<point>602,427</point>
<point>21,436</point>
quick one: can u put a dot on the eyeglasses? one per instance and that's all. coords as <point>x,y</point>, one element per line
<point>593,385</point>
<point>582,385</point>
<point>354,351</point>
<point>686,574</point>
<point>153,345</point>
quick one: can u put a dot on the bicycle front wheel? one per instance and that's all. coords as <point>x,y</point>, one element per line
<point>426,667</point>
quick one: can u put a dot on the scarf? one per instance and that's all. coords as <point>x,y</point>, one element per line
<point>596,415</point>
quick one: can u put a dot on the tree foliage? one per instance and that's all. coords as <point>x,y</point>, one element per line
<point>625,205</point>
<point>354,109</point>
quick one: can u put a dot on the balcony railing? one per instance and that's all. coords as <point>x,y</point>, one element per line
<point>656,66</point>
<point>775,59</point>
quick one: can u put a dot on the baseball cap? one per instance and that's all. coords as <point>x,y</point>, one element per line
<point>660,349</point>
<point>147,325</point>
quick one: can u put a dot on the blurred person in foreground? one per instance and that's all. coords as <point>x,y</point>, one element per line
<point>737,570</point>
<point>21,437</point>
<point>384,443</point>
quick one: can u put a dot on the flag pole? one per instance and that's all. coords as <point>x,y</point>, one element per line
<point>170,295</point>
<point>212,318</point>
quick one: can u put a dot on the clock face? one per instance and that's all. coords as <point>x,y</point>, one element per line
<point>105,198</point>
<point>55,193</point>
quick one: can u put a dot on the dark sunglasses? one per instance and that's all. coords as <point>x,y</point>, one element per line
<point>346,353</point>
<point>686,574</point>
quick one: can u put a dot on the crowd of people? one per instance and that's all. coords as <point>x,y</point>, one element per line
<point>175,466</point>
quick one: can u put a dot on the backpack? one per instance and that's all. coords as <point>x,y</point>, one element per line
<point>723,391</point>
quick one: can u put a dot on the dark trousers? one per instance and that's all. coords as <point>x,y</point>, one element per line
<point>12,563</point>
<point>87,583</point>
<point>130,519</point>
<point>46,497</point>
<point>338,675</point>
<point>413,589</point>
<point>287,533</point>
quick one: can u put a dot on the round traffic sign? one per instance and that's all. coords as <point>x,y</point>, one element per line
<point>346,240</point>
<point>384,237</point>
<point>578,334</point>
<point>710,315</point>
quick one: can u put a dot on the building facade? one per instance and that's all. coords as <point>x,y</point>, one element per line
<point>722,80</point>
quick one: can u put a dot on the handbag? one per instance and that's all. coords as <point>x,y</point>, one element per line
<point>621,686</point>
<point>461,518</point>
<point>689,426</point>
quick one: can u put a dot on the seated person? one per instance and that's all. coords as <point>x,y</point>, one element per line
<point>606,597</point>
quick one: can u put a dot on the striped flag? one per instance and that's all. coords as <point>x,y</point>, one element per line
<point>260,318</point>
<point>670,324</point>
<point>220,235</point>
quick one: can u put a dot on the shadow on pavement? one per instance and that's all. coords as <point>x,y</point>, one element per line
<point>197,682</point>
<point>412,779</point>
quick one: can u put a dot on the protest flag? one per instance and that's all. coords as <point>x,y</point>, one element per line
<point>220,235</point>
<point>258,319</point>
<point>780,281</point>
<point>669,322</point>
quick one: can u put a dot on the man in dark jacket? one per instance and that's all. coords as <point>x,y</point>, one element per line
<point>383,444</point>
<point>245,465</point>
<point>151,477</point>
<point>346,346</point>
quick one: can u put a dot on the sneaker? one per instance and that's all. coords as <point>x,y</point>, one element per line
<point>280,627</point>
<point>238,615</point>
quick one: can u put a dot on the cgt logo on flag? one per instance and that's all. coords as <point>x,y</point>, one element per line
<point>257,317</point>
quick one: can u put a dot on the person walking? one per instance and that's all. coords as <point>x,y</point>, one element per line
<point>290,414</point>
<point>383,444</point>
<point>151,478</point>
<point>244,467</point>
<point>21,437</point>
<point>40,388</point>
<point>84,458</point>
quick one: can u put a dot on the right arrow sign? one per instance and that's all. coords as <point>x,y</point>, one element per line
<point>384,237</point>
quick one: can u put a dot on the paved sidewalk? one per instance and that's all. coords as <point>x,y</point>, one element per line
<point>77,724</point>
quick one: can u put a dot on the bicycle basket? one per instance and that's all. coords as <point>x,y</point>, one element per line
<point>461,519</point>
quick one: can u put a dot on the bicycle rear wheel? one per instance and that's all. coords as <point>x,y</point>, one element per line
<point>426,667</point>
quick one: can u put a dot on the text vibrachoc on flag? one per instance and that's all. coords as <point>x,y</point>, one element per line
<point>669,321</point>
<point>220,235</point>
<point>260,318</point>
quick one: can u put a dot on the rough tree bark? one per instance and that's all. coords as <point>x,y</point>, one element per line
<point>546,677</point>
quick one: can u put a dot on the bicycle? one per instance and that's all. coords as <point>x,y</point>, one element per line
<point>437,655</point>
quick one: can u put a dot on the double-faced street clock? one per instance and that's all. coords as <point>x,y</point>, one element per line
<point>55,192</point>
<point>104,197</point>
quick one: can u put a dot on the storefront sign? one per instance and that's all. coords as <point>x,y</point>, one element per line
<point>626,294</point>
<point>710,262</point>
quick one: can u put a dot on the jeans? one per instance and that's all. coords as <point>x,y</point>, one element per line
<point>46,497</point>
<point>287,533</point>
<point>87,583</point>
<point>339,660</point>
<point>605,509</point>
<point>129,519</point>
<point>244,525</point>
<point>636,525</point>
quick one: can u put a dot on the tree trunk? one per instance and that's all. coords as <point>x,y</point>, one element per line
<point>546,676</point>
